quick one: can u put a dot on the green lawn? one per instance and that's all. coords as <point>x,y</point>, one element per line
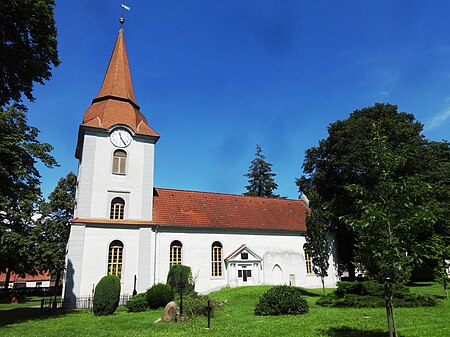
<point>237,319</point>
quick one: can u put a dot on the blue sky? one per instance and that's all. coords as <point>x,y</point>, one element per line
<point>215,78</point>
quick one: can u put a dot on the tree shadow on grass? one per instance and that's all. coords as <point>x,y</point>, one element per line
<point>345,331</point>
<point>25,314</point>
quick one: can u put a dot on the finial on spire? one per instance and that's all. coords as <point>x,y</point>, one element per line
<point>122,20</point>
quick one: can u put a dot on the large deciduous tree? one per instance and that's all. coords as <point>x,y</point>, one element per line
<point>393,214</point>
<point>20,194</point>
<point>260,177</point>
<point>28,47</point>
<point>54,228</point>
<point>342,159</point>
<point>317,238</point>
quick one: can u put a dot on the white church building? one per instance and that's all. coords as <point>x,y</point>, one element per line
<point>126,226</point>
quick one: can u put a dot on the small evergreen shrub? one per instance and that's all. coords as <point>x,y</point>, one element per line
<point>370,294</point>
<point>106,296</point>
<point>159,295</point>
<point>281,300</point>
<point>181,275</point>
<point>138,303</point>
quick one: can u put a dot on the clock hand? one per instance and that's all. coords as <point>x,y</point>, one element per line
<point>120,135</point>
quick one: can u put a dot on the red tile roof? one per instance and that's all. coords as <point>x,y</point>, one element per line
<point>115,103</point>
<point>217,210</point>
<point>180,208</point>
<point>16,278</point>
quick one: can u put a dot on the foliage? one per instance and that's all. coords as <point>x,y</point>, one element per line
<point>180,276</point>
<point>28,47</point>
<point>106,296</point>
<point>392,216</point>
<point>260,177</point>
<point>159,295</point>
<point>341,160</point>
<point>317,239</point>
<point>197,305</point>
<point>370,294</point>
<point>282,300</point>
<point>138,303</point>
<point>53,229</point>
<point>20,196</point>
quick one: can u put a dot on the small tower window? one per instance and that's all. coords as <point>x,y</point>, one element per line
<point>308,261</point>
<point>119,162</point>
<point>216,259</point>
<point>117,209</point>
<point>175,253</point>
<point>115,258</point>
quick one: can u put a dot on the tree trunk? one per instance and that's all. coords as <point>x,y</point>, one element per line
<point>389,308</point>
<point>7,280</point>
<point>323,285</point>
<point>55,289</point>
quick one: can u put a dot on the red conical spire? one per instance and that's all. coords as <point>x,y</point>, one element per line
<point>115,103</point>
<point>117,82</point>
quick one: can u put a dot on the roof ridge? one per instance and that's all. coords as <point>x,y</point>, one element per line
<point>226,194</point>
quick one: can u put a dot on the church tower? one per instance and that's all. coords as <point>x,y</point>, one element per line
<point>115,150</point>
<point>114,197</point>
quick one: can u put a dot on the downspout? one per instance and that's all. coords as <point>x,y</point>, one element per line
<point>154,254</point>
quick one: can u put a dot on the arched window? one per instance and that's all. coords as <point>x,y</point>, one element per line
<point>308,261</point>
<point>117,209</point>
<point>175,253</point>
<point>115,258</point>
<point>216,259</point>
<point>119,162</point>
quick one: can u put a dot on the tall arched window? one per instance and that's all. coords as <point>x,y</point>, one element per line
<point>117,209</point>
<point>308,261</point>
<point>216,259</point>
<point>119,162</point>
<point>175,253</point>
<point>115,258</point>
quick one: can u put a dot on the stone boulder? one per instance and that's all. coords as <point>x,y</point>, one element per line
<point>170,312</point>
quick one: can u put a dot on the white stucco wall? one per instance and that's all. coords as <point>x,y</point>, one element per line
<point>281,254</point>
<point>98,185</point>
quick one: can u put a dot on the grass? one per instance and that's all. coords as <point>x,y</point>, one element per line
<point>237,319</point>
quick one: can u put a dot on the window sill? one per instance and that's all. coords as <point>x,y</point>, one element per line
<point>217,278</point>
<point>118,174</point>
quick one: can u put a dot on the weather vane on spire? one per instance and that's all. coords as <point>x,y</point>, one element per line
<point>122,20</point>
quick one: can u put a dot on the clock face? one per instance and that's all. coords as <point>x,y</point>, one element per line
<point>120,137</point>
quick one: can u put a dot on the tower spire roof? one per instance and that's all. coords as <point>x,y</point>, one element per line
<point>115,103</point>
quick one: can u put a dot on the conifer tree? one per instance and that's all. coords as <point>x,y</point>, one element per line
<point>260,177</point>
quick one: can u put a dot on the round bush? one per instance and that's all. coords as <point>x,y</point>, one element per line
<point>106,296</point>
<point>281,300</point>
<point>138,303</point>
<point>159,295</point>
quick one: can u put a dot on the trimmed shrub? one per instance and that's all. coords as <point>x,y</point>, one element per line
<point>180,275</point>
<point>106,296</point>
<point>138,303</point>
<point>282,300</point>
<point>370,294</point>
<point>159,295</point>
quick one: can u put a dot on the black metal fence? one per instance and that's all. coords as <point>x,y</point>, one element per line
<point>50,306</point>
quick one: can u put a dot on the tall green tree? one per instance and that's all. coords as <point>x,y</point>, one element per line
<point>317,238</point>
<point>54,228</point>
<point>260,177</point>
<point>28,47</point>
<point>392,216</point>
<point>20,194</point>
<point>342,159</point>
